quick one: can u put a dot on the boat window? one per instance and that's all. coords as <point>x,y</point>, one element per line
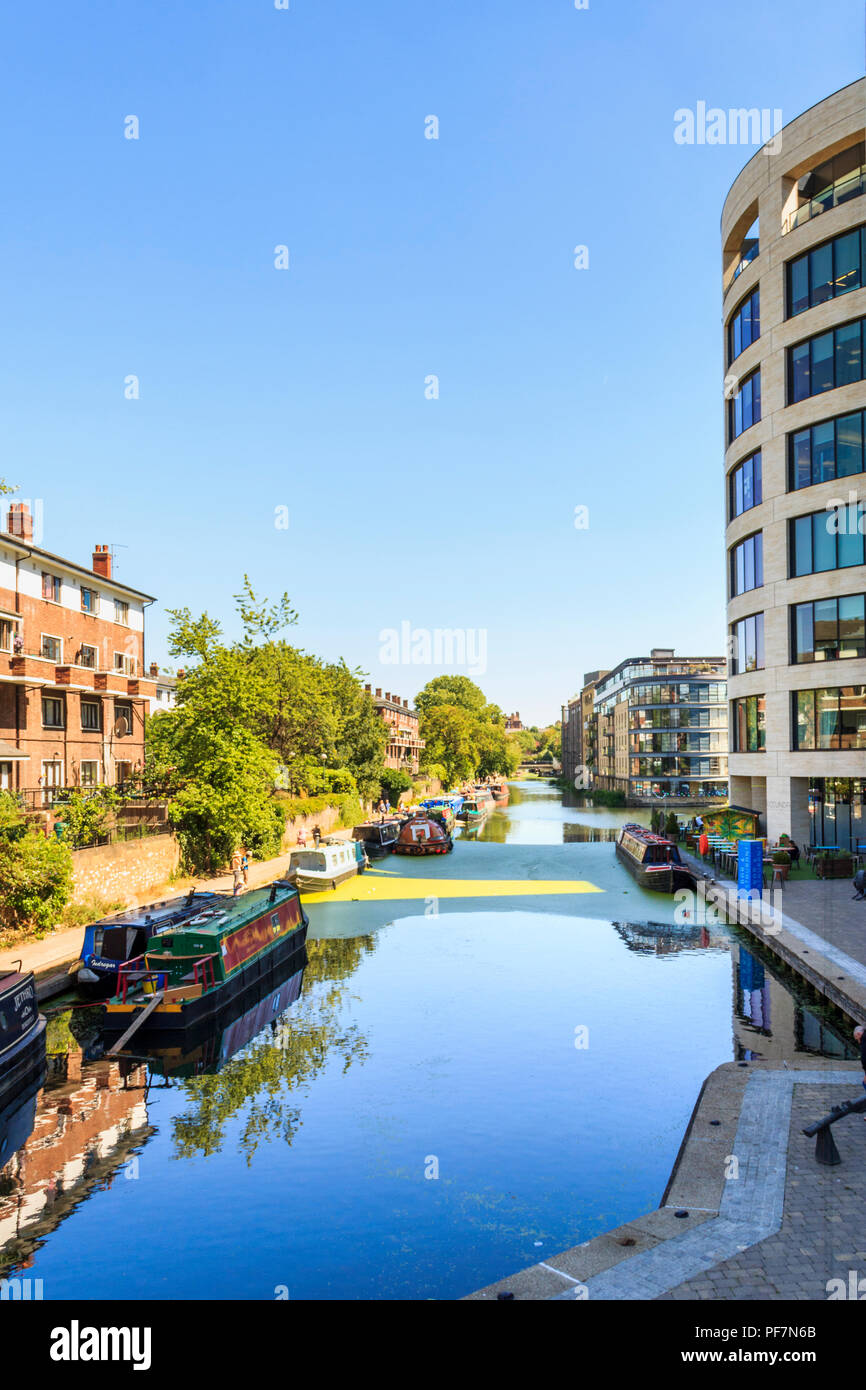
<point>307,859</point>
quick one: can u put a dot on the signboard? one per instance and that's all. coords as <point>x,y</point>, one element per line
<point>750,869</point>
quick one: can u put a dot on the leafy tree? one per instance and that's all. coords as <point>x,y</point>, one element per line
<point>449,734</point>
<point>35,872</point>
<point>392,782</point>
<point>455,691</point>
<point>86,816</point>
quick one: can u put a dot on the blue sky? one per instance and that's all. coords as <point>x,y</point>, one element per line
<point>305,388</point>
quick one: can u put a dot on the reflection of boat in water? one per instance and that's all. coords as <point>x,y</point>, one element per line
<point>664,939</point>
<point>653,861</point>
<point>112,940</point>
<point>188,974</point>
<point>241,1022</point>
<point>22,1033</point>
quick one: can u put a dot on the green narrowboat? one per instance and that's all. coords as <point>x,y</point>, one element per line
<point>190,972</point>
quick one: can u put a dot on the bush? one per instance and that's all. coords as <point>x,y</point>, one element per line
<point>781,856</point>
<point>36,879</point>
<point>672,826</point>
<point>393,781</point>
<point>86,816</point>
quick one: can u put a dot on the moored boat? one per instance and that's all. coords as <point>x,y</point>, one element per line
<point>326,866</point>
<point>119,937</point>
<point>453,800</point>
<point>445,816</point>
<point>377,837</point>
<point>653,861</point>
<point>499,791</point>
<point>475,808</point>
<point>189,973</point>
<point>22,1032</point>
<point>423,835</point>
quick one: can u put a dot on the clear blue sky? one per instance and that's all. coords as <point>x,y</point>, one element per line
<point>409,257</point>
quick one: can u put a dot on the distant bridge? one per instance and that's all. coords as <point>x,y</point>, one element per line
<point>540,769</point>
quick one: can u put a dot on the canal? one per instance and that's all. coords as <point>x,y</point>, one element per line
<point>490,1057</point>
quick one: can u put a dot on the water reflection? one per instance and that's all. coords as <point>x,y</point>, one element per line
<point>774,1020</point>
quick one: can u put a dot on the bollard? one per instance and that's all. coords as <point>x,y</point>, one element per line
<point>826,1151</point>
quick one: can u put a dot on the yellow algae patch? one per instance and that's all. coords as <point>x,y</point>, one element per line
<point>364,888</point>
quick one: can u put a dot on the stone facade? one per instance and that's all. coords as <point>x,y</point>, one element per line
<point>776,779</point>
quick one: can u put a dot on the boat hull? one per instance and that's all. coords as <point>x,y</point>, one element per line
<point>665,878</point>
<point>437,848</point>
<point>189,1016</point>
<point>23,1061</point>
<point>308,882</point>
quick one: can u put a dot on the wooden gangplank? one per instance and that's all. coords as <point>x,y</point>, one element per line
<point>136,1023</point>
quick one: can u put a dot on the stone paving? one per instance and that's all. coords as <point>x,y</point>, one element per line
<point>823,1231</point>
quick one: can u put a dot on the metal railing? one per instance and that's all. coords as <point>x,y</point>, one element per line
<point>850,186</point>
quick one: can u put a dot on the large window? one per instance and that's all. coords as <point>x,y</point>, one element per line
<point>831,449</point>
<point>89,600</point>
<point>828,270</point>
<point>748,724</point>
<point>52,712</point>
<point>121,611</point>
<point>834,717</point>
<point>830,359</point>
<point>744,486</point>
<point>829,629</point>
<point>744,407</point>
<point>90,714</point>
<point>745,326</point>
<point>747,645</point>
<point>747,564</point>
<point>52,648</point>
<point>828,540</point>
<point>832,183</point>
<point>51,587</point>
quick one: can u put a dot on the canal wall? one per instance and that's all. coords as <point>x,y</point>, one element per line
<point>124,871</point>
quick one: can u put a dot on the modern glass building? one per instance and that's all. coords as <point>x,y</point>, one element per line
<point>661,728</point>
<point>794,284</point>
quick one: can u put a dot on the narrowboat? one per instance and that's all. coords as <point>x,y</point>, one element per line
<point>22,1032</point>
<point>652,860</point>
<point>331,863</point>
<point>378,838</point>
<point>453,800</point>
<point>192,971</point>
<point>445,816</point>
<point>499,791</point>
<point>422,835</point>
<point>474,809</point>
<point>114,939</point>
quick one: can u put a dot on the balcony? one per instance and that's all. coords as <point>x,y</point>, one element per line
<point>29,664</point>
<point>850,186</point>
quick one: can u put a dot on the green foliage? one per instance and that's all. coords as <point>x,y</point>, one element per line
<point>672,826</point>
<point>392,782</point>
<point>781,856</point>
<point>35,874</point>
<point>90,909</point>
<point>600,797</point>
<point>464,735</point>
<point>86,816</point>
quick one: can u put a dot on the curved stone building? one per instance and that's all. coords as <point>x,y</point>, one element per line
<point>794,284</point>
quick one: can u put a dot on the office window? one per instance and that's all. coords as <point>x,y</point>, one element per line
<point>748,724</point>
<point>830,359</point>
<point>747,645</point>
<point>121,612</point>
<point>51,587</point>
<point>89,601</point>
<point>747,564</point>
<point>829,450</point>
<point>827,271</point>
<point>744,408</point>
<point>828,540</point>
<point>90,715</point>
<point>830,718</point>
<point>830,629</point>
<point>744,486</point>
<point>744,327</point>
<point>52,712</point>
<point>52,648</point>
<point>87,657</point>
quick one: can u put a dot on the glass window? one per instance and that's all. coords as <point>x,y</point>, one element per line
<point>823,543</point>
<point>90,714</point>
<point>51,648</point>
<point>804,711</point>
<point>803,629</point>
<point>852,625</point>
<point>825,627</point>
<point>745,486</point>
<point>850,536</point>
<point>801,559</point>
<point>831,449</point>
<point>52,712</point>
<point>749,724</point>
<point>846,262</point>
<point>848,355</point>
<point>852,717</point>
<point>747,565</point>
<point>800,373</point>
<point>801,459</point>
<point>821,273</point>
<point>821,371</point>
<point>827,718</point>
<point>798,285</point>
<point>51,587</point>
<point>823,452</point>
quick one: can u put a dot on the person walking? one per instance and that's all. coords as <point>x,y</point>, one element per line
<point>237,873</point>
<point>245,867</point>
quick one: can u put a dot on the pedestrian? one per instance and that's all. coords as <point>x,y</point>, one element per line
<point>317,835</point>
<point>860,885</point>
<point>237,873</point>
<point>245,867</point>
<point>302,839</point>
<point>699,822</point>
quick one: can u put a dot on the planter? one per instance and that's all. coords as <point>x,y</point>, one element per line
<point>835,868</point>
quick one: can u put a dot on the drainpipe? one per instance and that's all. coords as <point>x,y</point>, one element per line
<point>18,688</point>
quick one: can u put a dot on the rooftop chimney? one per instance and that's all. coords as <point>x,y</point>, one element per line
<point>387,694</point>
<point>405,704</point>
<point>368,689</point>
<point>181,673</point>
<point>102,561</point>
<point>378,694</point>
<point>19,522</point>
<point>154,670</point>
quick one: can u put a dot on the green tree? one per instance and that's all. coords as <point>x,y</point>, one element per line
<point>35,873</point>
<point>455,691</point>
<point>87,816</point>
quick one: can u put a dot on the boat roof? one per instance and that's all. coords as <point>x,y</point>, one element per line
<point>234,912</point>
<point>151,914</point>
<point>640,832</point>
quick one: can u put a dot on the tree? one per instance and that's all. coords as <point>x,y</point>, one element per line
<point>86,816</point>
<point>35,872</point>
<point>456,691</point>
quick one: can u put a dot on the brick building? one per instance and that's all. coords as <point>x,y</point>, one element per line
<point>404,745</point>
<point>73,689</point>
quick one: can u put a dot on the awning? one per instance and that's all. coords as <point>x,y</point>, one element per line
<point>10,754</point>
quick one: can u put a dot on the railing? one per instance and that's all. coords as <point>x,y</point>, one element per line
<point>851,186</point>
<point>131,973</point>
<point>97,666</point>
<point>750,251</point>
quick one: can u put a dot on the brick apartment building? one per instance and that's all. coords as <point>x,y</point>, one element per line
<point>404,746</point>
<point>73,692</point>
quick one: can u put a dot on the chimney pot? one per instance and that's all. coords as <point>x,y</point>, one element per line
<point>181,673</point>
<point>19,522</point>
<point>405,704</point>
<point>154,670</point>
<point>378,693</point>
<point>102,561</point>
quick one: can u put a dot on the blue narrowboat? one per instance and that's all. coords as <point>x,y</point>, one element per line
<point>112,940</point>
<point>22,1033</point>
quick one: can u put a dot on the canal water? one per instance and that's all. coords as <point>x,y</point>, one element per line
<point>466,1078</point>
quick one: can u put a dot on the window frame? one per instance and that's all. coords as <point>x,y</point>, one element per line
<point>92,728</point>
<point>59,701</point>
